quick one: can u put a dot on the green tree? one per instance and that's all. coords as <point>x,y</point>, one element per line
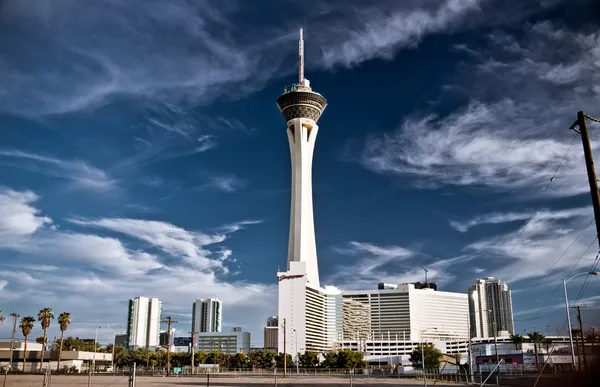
<point>547,342</point>
<point>200,358</point>
<point>64,319</point>
<point>26,326</point>
<point>288,359</point>
<point>262,359</point>
<point>349,359</point>
<point>591,336</point>
<point>536,338</point>
<point>309,359</point>
<point>331,360</point>
<point>120,356</point>
<point>518,341</point>
<point>45,316</point>
<point>432,356</point>
<point>239,360</point>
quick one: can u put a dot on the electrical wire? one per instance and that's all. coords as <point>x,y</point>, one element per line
<point>558,286</point>
<point>561,162</point>
<point>564,252</point>
<point>587,278</point>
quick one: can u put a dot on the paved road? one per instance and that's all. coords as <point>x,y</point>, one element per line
<point>122,381</point>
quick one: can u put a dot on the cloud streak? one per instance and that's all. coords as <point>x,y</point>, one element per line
<point>509,217</point>
<point>79,173</point>
<point>505,138</point>
<point>171,239</point>
<point>18,217</point>
<point>549,239</point>
<point>381,35</point>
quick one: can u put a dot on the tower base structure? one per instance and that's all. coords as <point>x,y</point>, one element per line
<point>313,315</point>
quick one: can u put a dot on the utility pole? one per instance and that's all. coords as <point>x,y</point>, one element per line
<point>496,349</point>
<point>589,163</point>
<point>193,348</point>
<point>284,349</point>
<point>426,280</point>
<point>578,307</point>
<point>15,316</point>
<point>169,320</point>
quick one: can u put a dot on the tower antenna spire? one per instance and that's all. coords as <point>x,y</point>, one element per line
<point>301,58</point>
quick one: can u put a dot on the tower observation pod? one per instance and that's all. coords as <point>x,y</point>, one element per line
<point>302,107</point>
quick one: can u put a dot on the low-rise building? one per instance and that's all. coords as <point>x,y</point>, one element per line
<point>226,342</point>
<point>81,360</point>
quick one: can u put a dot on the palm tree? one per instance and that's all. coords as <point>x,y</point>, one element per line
<point>517,340</point>
<point>547,342</point>
<point>45,316</point>
<point>1,318</point>
<point>536,337</point>
<point>26,326</point>
<point>64,319</point>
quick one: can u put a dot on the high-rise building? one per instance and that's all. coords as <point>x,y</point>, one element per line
<point>490,308</point>
<point>272,321</point>
<point>166,338</point>
<point>207,315</point>
<point>303,305</point>
<point>271,333</point>
<point>356,320</point>
<point>121,339</point>
<point>404,312</point>
<point>143,322</point>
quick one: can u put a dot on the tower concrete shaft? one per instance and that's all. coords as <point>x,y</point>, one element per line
<point>302,133</point>
<point>302,107</point>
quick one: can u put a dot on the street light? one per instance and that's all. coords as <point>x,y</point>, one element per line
<point>96,344</point>
<point>297,353</point>
<point>423,355</point>
<point>594,273</point>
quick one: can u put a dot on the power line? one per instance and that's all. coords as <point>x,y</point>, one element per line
<point>561,162</point>
<point>564,252</point>
<point>558,286</point>
<point>587,279</point>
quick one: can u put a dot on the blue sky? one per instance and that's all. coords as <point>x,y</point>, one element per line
<point>142,152</point>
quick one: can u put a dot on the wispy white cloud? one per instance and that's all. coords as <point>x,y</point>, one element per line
<point>393,264</point>
<point>237,226</point>
<point>505,138</point>
<point>173,52</point>
<point>64,269</point>
<point>17,215</point>
<point>205,142</point>
<point>509,217</point>
<point>173,240</point>
<point>375,32</point>
<point>546,240</point>
<point>179,53</point>
<point>226,183</point>
<point>79,173</point>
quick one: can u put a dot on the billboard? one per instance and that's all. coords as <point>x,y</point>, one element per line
<point>182,341</point>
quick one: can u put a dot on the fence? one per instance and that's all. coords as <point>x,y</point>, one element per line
<point>248,377</point>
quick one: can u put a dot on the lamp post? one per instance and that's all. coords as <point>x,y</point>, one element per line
<point>297,353</point>
<point>594,273</point>
<point>95,349</point>
<point>423,355</point>
<point>96,344</point>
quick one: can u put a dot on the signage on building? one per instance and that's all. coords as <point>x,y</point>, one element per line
<point>182,341</point>
<point>283,277</point>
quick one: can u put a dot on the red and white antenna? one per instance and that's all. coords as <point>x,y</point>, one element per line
<point>301,58</point>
